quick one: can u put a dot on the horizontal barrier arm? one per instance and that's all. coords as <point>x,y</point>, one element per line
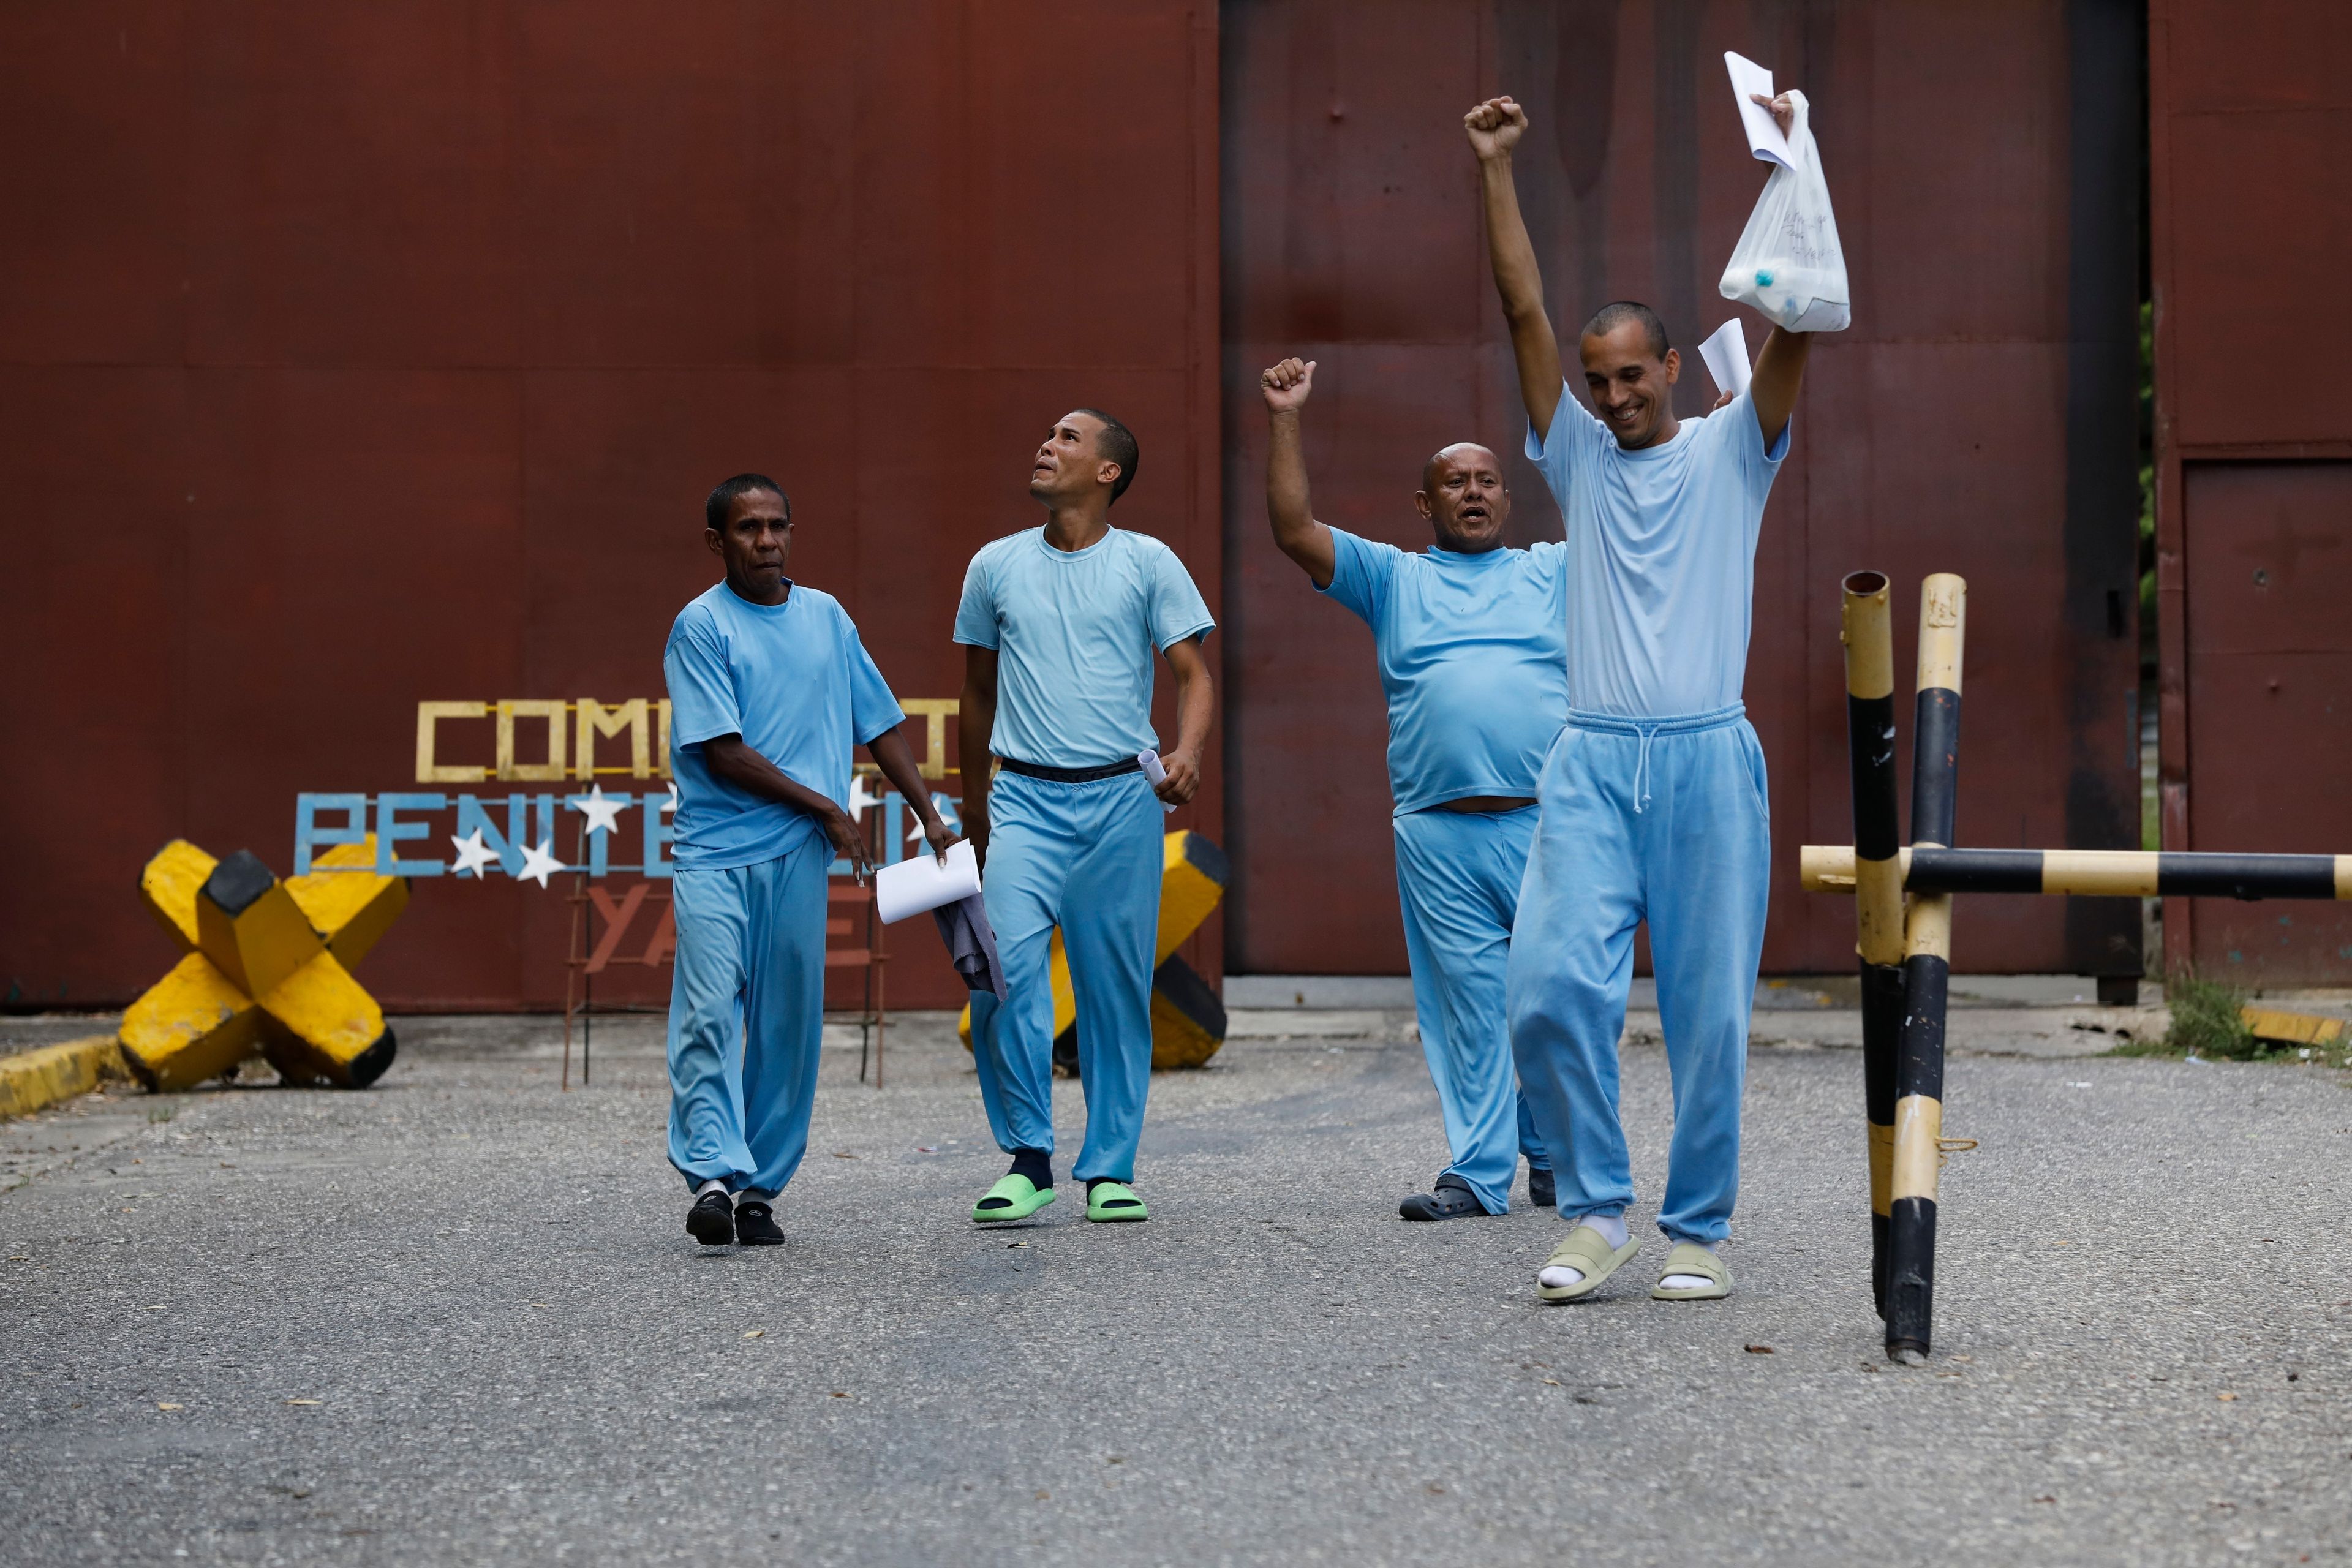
<point>2094,873</point>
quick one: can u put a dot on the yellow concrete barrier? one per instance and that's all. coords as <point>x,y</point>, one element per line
<point>34,1080</point>
<point>1188,1022</point>
<point>268,969</point>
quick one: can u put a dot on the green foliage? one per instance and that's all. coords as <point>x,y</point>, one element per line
<point>2205,1021</point>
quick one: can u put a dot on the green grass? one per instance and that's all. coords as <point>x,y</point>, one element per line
<point>2206,1025</point>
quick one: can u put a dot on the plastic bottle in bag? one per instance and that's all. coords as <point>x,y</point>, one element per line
<point>1787,263</point>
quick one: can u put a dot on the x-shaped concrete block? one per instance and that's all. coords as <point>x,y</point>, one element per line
<point>268,968</point>
<point>1188,1022</point>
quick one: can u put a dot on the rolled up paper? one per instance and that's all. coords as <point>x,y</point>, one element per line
<point>1155,775</point>
<point>922,884</point>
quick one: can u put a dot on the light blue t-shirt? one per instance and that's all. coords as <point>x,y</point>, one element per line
<point>1473,652</point>
<point>793,680</point>
<point>1661,556</point>
<point>1075,632</point>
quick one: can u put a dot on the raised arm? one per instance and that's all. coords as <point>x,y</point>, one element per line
<point>1494,128</point>
<point>1286,386</point>
<point>975,722</point>
<point>1781,367</point>
<point>1780,374</point>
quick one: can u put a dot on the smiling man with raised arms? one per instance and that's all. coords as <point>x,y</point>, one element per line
<point>1653,800</point>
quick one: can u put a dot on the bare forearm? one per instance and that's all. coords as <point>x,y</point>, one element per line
<point>1196,705</point>
<point>975,718</point>
<point>733,760</point>
<point>1288,506</point>
<point>1519,280</point>
<point>1779,376</point>
<point>897,760</point>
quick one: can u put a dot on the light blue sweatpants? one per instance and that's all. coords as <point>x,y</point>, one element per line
<point>1086,858</point>
<point>746,1015</point>
<point>1458,876</point>
<point>1664,819</point>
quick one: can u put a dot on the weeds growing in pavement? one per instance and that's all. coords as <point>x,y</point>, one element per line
<point>2208,1024</point>
<point>2205,1021</point>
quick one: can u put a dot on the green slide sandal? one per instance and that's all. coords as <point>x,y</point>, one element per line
<point>1013,1197</point>
<point>1588,1252</point>
<point>1690,1257</point>
<point>1115,1201</point>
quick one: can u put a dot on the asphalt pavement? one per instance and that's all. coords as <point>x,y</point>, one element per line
<point>456,1319</point>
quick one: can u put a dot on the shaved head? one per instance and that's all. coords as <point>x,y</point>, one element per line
<point>1463,451</point>
<point>1462,497</point>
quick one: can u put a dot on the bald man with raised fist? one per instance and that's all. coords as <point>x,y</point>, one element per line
<point>1470,636</point>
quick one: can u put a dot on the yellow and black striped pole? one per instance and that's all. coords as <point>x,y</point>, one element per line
<point>2094,873</point>
<point>1866,629</point>
<point>1910,1300</point>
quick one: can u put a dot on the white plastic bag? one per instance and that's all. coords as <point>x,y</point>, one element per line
<point>1787,263</point>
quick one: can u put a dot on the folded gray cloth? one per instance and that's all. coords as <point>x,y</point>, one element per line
<point>972,944</point>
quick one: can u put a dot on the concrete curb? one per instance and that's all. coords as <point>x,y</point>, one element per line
<point>35,1080</point>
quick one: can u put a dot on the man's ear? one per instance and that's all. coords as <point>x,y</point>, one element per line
<point>718,545</point>
<point>1107,473</point>
<point>1674,366</point>
<point>1421,500</point>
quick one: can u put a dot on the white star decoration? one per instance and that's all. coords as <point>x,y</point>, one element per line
<point>474,857</point>
<point>602,811</point>
<point>537,862</point>
<point>859,801</point>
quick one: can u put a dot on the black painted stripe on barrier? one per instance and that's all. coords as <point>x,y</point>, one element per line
<point>1870,744</point>
<point>2200,874</point>
<point>1935,769</point>
<point>1911,1275</point>
<point>1919,1063</point>
<point>1881,1030</point>
<point>2247,876</point>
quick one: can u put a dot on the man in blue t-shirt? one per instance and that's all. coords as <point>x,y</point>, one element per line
<point>1061,627</point>
<point>769,689</point>
<point>1654,802</point>
<point>1471,641</point>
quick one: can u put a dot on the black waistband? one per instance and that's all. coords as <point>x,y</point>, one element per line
<point>1070,775</point>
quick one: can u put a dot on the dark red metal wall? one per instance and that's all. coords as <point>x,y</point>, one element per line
<point>2250,133</point>
<point>352,356</point>
<point>1978,417</point>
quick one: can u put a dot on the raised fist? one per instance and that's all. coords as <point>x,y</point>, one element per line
<point>1286,385</point>
<point>1782,109</point>
<point>1495,127</point>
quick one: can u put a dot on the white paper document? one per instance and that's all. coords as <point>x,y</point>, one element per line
<point>1764,138</point>
<point>1726,354</point>
<point>922,884</point>
<point>1155,774</point>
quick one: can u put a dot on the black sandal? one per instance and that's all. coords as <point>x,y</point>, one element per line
<point>1451,1199</point>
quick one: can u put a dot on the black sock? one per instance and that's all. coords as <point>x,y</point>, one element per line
<point>1034,1163</point>
<point>1094,1181</point>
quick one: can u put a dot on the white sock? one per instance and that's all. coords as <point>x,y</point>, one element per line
<point>1685,1281</point>
<point>712,1185</point>
<point>1559,1276</point>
